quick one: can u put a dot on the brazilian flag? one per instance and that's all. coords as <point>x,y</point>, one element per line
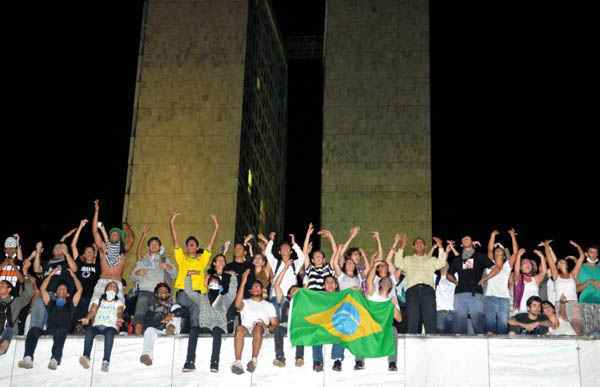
<point>364,327</point>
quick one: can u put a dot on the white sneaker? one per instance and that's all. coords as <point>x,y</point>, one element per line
<point>105,365</point>
<point>53,364</point>
<point>27,362</point>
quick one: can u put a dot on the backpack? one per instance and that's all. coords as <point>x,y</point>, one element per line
<point>5,315</point>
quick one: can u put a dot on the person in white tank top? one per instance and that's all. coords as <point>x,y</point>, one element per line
<point>526,280</point>
<point>565,286</point>
<point>559,324</point>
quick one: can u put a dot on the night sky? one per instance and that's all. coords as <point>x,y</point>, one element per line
<point>512,122</point>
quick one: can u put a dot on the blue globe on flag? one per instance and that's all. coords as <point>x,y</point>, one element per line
<point>346,319</point>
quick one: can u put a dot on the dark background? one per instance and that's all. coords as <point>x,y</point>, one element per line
<point>513,123</point>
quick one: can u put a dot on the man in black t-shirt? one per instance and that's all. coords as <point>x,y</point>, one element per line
<point>60,264</point>
<point>531,323</point>
<point>88,273</point>
<point>241,262</point>
<point>60,315</point>
<point>468,294</point>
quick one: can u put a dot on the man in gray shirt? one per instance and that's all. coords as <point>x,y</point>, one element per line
<point>150,270</point>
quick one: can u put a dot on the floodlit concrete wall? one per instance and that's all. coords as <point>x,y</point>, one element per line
<point>431,361</point>
<point>376,142</point>
<point>194,110</point>
<point>186,140</point>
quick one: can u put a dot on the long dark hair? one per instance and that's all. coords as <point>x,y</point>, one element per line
<point>103,297</point>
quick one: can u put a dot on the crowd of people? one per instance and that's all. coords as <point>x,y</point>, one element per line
<point>448,289</point>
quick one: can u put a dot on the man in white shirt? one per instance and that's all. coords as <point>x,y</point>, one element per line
<point>257,316</point>
<point>290,278</point>
<point>444,303</point>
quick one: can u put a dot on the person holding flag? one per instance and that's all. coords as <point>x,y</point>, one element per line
<point>346,318</point>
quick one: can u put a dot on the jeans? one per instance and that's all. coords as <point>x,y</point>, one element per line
<point>420,301</point>
<point>216,333</point>
<point>191,306</point>
<point>445,321</point>
<point>144,301</point>
<point>150,336</point>
<point>496,312</point>
<point>39,315</point>
<point>109,334</point>
<point>59,336</point>
<point>7,333</point>
<point>278,338</point>
<point>337,352</point>
<point>82,308</point>
<point>466,304</point>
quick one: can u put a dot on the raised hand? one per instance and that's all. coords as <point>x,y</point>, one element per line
<point>96,204</point>
<point>310,247</point>
<point>521,252</point>
<point>375,235</point>
<point>272,235</point>
<point>215,220</point>
<point>574,244</point>
<point>538,253</point>
<point>226,245</point>
<point>248,238</point>
<point>438,242</point>
<point>324,233</point>
<point>83,222</point>
<point>449,246</point>
<point>310,229</point>
<point>403,240</point>
<point>262,237</point>
<point>292,239</point>
<point>495,233</point>
<point>174,215</point>
<point>354,231</point>
<point>146,229</point>
<point>39,247</point>
<point>545,242</point>
<point>512,232</point>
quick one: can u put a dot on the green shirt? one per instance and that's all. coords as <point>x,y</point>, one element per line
<point>591,294</point>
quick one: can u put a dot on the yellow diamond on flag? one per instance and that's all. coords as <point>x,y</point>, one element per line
<point>348,320</point>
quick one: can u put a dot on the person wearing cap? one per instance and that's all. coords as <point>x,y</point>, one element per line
<point>151,269</point>
<point>10,267</point>
<point>10,307</point>
<point>112,255</point>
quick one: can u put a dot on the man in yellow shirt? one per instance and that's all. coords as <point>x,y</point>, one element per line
<point>191,266</point>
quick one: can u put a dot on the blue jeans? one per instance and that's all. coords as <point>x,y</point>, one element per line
<point>445,321</point>
<point>337,352</point>
<point>39,314</point>
<point>496,312</point>
<point>465,305</point>
<point>7,334</point>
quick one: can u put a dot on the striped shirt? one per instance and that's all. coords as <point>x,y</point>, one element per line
<point>315,276</point>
